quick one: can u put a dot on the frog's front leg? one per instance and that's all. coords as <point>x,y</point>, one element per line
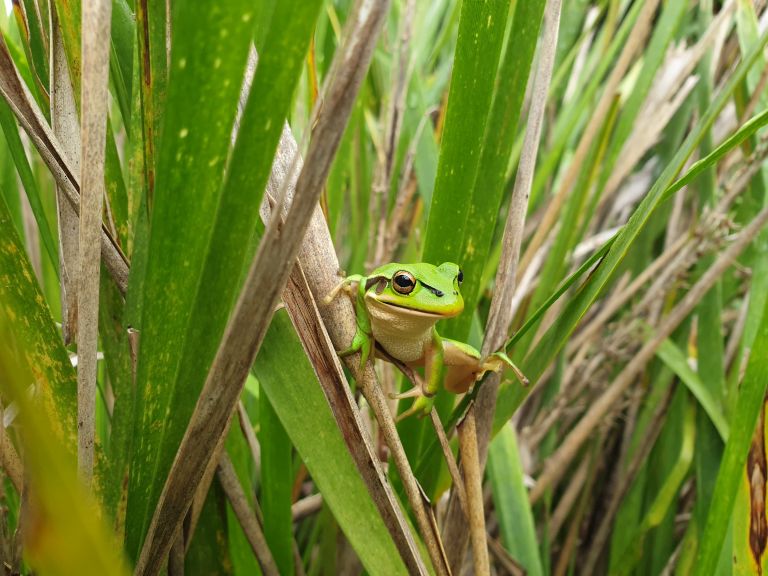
<point>434,363</point>
<point>363,339</point>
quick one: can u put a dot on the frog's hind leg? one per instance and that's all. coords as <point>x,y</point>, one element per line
<point>423,403</point>
<point>407,371</point>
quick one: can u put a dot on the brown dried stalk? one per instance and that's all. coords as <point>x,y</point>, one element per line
<point>247,518</point>
<point>95,99</point>
<point>64,122</point>
<point>473,481</point>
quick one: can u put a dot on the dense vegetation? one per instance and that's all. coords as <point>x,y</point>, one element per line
<point>182,184</point>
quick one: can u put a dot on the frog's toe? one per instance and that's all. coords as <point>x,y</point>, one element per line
<point>495,361</point>
<point>420,408</point>
<point>412,393</point>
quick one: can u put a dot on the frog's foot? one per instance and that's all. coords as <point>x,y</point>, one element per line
<point>412,393</point>
<point>495,361</point>
<point>362,343</point>
<point>421,407</point>
<point>345,284</point>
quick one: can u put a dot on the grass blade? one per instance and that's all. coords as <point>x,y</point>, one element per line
<point>540,357</point>
<point>745,416</point>
<point>287,377</point>
<point>490,185</point>
<point>469,102</point>
<point>510,498</point>
<point>23,169</point>
<point>673,357</point>
<point>277,474</point>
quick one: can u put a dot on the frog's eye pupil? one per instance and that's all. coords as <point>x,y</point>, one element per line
<point>461,277</point>
<point>403,282</point>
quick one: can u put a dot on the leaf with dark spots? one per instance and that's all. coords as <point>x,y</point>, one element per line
<point>757,473</point>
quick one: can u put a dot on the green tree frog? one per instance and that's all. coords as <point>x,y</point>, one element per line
<point>397,308</point>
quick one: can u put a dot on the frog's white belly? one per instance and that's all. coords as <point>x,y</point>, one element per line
<point>404,334</point>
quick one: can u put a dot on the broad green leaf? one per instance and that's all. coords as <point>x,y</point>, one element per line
<point>490,183</point>
<point>481,31</point>
<point>213,248</point>
<point>208,61</point>
<point>288,380</point>
<point>27,316</point>
<point>510,498</point>
<point>65,533</point>
<point>476,61</point>
<point>276,486</point>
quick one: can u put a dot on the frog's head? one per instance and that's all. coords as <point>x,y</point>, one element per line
<point>419,287</point>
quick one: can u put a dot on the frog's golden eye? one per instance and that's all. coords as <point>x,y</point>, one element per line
<point>460,277</point>
<point>403,282</point>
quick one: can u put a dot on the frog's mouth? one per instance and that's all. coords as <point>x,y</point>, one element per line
<point>421,313</point>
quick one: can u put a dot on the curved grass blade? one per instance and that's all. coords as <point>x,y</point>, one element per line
<point>23,169</point>
<point>745,416</point>
<point>674,358</point>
